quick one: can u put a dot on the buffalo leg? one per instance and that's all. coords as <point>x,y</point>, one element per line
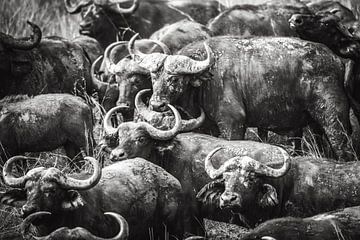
<point>332,114</point>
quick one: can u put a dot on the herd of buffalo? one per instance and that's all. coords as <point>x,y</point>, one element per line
<point>178,83</point>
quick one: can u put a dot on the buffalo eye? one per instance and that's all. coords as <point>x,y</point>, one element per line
<point>141,140</point>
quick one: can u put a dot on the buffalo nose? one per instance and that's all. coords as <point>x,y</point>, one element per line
<point>85,24</point>
<point>158,106</point>
<point>117,154</point>
<point>228,199</point>
<point>296,20</point>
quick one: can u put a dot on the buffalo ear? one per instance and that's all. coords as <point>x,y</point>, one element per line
<point>11,196</point>
<point>72,201</point>
<point>270,197</point>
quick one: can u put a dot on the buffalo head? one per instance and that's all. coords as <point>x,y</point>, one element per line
<point>137,139</point>
<point>14,63</point>
<point>79,233</point>
<point>46,189</point>
<point>102,19</point>
<point>170,74</point>
<point>243,181</point>
<point>123,75</point>
<point>326,28</point>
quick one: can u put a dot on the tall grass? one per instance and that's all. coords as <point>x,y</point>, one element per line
<point>49,15</point>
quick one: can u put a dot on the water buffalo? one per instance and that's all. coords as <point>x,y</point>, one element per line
<point>108,22</point>
<point>49,65</point>
<point>271,83</point>
<point>182,155</point>
<point>45,122</point>
<point>259,192</point>
<point>268,19</point>
<point>327,29</point>
<point>339,224</point>
<point>120,78</point>
<point>143,193</point>
<point>78,233</point>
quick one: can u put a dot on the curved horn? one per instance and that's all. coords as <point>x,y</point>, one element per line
<point>179,64</point>
<point>109,64</point>
<point>131,47</point>
<point>97,83</point>
<point>25,226</point>
<point>123,233</point>
<point>9,178</point>
<point>21,44</point>
<point>127,11</point>
<point>163,46</point>
<point>72,9</point>
<point>189,125</point>
<point>262,169</point>
<point>151,62</point>
<point>76,184</point>
<point>108,128</point>
<point>164,134</point>
<point>141,107</point>
<point>209,168</point>
<point>76,233</point>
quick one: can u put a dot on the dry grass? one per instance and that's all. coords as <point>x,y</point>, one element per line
<point>53,20</point>
<point>50,16</point>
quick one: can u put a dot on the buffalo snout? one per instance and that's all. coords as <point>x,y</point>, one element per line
<point>117,155</point>
<point>296,20</point>
<point>229,199</point>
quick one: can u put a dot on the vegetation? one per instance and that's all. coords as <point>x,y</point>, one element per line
<point>51,17</point>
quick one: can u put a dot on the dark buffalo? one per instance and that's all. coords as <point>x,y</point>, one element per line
<point>259,192</point>
<point>268,19</point>
<point>45,122</point>
<point>353,5</point>
<point>327,29</point>
<point>345,14</point>
<point>78,233</point>
<point>108,22</point>
<point>34,66</point>
<point>180,34</point>
<point>270,83</point>
<point>143,193</point>
<point>183,156</point>
<point>118,78</point>
<point>339,224</point>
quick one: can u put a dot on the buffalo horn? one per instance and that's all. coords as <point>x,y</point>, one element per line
<point>21,43</point>
<point>97,83</point>
<point>179,64</point>
<point>10,179</point>
<point>76,184</point>
<point>164,134</point>
<point>76,233</point>
<point>126,11</point>
<point>108,128</point>
<point>72,9</point>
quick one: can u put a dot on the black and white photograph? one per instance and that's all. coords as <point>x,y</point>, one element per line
<point>179,120</point>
